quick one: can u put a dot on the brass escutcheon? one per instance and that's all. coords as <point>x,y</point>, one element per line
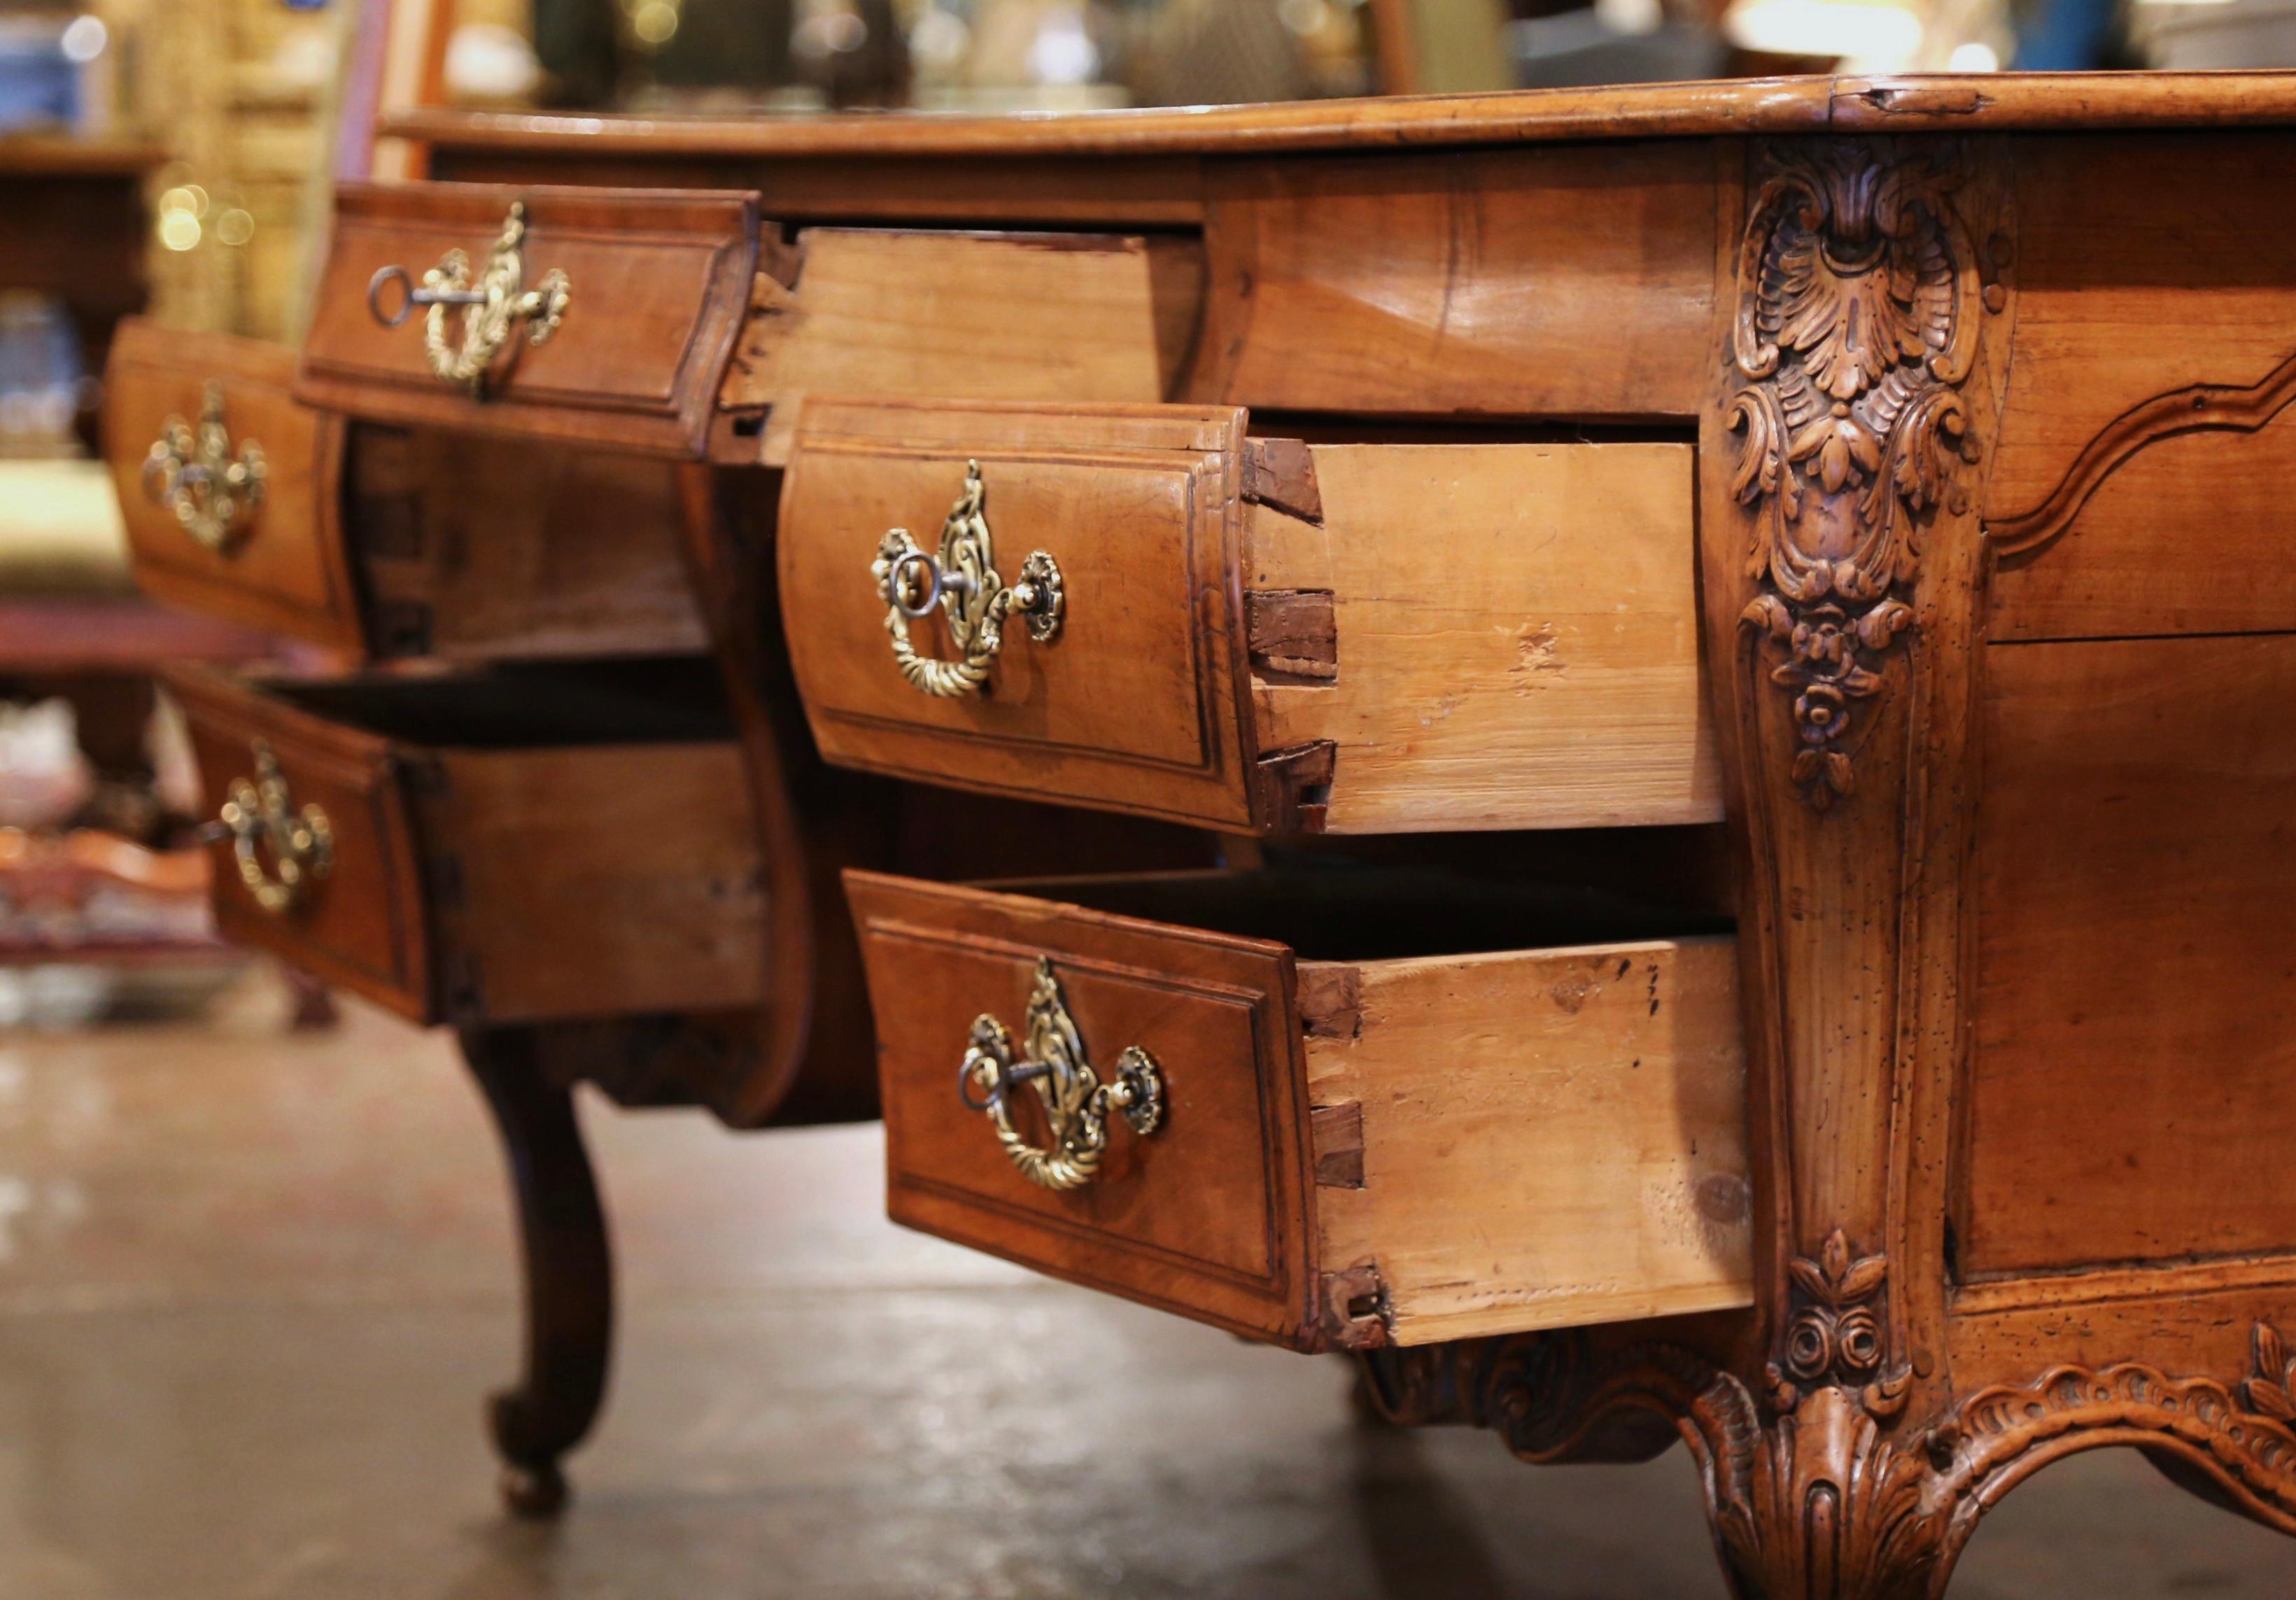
<point>1076,1103</point>
<point>192,471</point>
<point>962,582</point>
<point>260,815</point>
<point>499,299</point>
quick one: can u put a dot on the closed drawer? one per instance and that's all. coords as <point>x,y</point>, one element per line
<point>226,484</point>
<point>517,845</point>
<point>624,308</point>
<point>1338,1108</point>
<point>1247,633</point>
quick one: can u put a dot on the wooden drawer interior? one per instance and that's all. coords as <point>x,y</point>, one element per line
<point>473,546</point>
<point>1404,1106</point>
<point>907,314</point>
<point>1268,635</point>
<point>525,843</point>
<point>278,564</point>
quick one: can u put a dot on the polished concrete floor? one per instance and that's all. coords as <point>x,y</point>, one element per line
<point>253,1284</point>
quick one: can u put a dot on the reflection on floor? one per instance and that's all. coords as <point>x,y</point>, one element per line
<point>253,1284</point>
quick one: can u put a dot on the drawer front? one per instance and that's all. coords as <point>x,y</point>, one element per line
<point>641,294</point>
<point>1132,703</point>
<point>1204,1215</point>
<point>362,924</point>
<point>228,485</point>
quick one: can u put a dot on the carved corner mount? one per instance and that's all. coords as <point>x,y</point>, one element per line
<point>1859,312</point>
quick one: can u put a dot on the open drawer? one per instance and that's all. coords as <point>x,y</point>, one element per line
<point>1143,608</point>
<point>527,844</point>
<point>599,316</point>
<point>227,486</point>
<point>242,504</point>
<point>1330,1108</point>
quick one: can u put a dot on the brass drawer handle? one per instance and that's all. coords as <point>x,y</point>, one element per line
<point>261,813</point>
<point>499,299</point>
<point>193,472</point>
<point>1076,1102</point>
<point>963,582</point>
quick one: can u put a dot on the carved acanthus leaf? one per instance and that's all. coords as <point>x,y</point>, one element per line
<point>1857,322</point>
<point>2273,1390</point>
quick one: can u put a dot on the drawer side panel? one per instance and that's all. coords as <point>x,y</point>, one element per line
<point>1517,641</point>
<point>1549,1138</point>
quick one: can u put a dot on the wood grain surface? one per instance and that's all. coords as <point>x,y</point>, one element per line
<point>914,314</point>
<point>1546,1139</point>
<point>366,925</point>
<point>544,847</point>
<point>1516,636</point>
<point>605,880</point>
<point>2135,917</point>
<point>1207,1216</point>
<point>474,547</point>
<point>1570,282</point>
<point>1905,102</point>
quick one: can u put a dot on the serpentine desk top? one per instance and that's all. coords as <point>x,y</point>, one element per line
<point>1907,104</point>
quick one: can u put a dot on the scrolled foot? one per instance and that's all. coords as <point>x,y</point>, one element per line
<point>534,1494</point>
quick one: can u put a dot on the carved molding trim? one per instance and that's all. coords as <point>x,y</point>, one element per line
<point>2199,408</point>
<point>1860,306</point>
<point>1827,1498</point>
<point>2238,1439</point>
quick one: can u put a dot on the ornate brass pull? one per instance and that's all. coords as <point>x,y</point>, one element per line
<point>261,813</point>
<point>1076,1102</point>
<point>963,581</point>
<point>192,473</point>
<point>499,299</point>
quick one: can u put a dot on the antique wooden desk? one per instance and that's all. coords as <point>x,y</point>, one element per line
<point>1736,634</point>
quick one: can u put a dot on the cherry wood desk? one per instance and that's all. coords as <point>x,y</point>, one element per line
<point>1735,633</point>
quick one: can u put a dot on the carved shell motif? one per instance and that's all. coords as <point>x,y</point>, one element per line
<point>1857,321</point>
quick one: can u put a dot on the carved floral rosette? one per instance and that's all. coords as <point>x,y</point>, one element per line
<point>1858,316</point>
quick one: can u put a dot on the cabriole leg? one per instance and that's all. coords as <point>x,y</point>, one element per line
<point>568,1272</point>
